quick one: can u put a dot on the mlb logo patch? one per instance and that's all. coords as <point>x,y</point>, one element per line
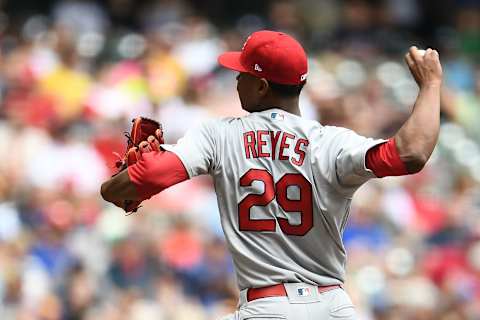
<point>304,292</point>
<point>277,116</point>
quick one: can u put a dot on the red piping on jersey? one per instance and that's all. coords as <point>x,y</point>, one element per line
<point>384,160</point>
<point>155,172</point>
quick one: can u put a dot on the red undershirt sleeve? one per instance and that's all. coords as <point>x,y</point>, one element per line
<point>155,172</point>
<point>384,160</point>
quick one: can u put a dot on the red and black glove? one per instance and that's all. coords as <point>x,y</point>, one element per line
<point>146,135</point>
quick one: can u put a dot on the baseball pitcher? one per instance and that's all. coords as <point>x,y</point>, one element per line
<point>284,184</point>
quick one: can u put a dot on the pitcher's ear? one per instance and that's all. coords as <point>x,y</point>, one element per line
<point>263,86</point>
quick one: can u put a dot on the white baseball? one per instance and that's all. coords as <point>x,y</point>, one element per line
<point>422,52</point>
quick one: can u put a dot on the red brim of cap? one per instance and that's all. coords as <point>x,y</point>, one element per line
<point>231,60</point>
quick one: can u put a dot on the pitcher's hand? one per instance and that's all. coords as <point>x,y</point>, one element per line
<point>426,69</point>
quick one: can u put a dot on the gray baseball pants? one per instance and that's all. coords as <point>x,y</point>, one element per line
<point>303,302</point>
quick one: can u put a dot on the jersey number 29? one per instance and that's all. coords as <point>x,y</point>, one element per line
<point>302,206</point>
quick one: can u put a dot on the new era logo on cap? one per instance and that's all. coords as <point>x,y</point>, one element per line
<point>272,55</point>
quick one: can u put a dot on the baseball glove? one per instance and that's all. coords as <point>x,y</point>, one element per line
<point>146,135</point>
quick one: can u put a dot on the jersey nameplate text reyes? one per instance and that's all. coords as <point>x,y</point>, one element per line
<point>274,145</point>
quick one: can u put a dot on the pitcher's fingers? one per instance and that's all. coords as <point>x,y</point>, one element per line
<point>433,58</point>
<point>154,144</point>
<point>144,147</point>
<point>409,60</point>
<point>435,55</point>
<point>415,54</point>
<point>436,60</point>
<point>430,55</point>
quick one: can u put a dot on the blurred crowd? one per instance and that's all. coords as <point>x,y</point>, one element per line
<point>74,73</point>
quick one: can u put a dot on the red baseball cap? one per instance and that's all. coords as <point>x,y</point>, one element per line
<point>272,55</point>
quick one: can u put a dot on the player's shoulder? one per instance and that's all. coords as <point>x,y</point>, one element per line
<point>327,134</point>
<point>227,120</point>
<point>341,136</point>
<point>315,127</point>
<point>335,130</point>
<point>307,122</point>
<point>211,122</point>
<point>219,122</point>
<point>214,126</point>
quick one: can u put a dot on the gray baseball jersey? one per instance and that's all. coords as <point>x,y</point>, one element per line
<point>284,186</point>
